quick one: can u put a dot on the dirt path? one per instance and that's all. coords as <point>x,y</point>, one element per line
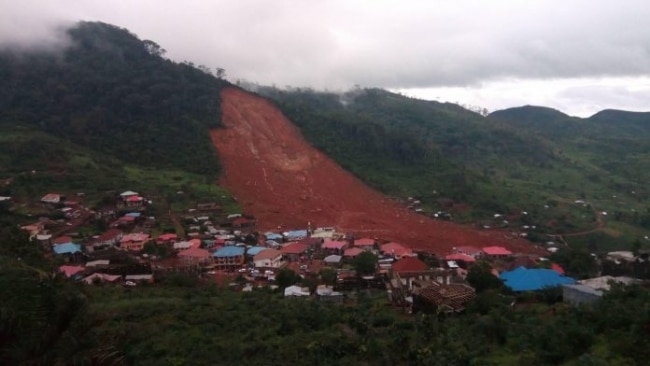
<point>285,182</point>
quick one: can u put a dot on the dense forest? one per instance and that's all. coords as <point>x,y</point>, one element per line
<point>110,91</point>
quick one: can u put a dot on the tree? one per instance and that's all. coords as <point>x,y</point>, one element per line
<point>365,263</point>
<point>328,276</point>
<point>480,277</point>
<point>286,278</point>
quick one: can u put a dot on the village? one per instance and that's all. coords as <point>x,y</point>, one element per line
<point>129,249</point>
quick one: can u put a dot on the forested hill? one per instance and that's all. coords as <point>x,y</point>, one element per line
<point>414,147</point>
<point>117,94</point>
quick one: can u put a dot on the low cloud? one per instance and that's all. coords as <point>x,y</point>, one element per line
<point>384,43</point>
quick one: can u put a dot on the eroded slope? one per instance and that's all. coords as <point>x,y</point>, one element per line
<point>285,182</point>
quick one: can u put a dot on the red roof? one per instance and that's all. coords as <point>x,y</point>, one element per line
<point>70,271</point>
<point>134,199</point>
<point>409,264</point>
<point>557,268</point>
<point>196,243</point>
<point>62,240</point>
<point>167,237</point>
<point>294,248</point>
<point>332,244</point>
<point>352,252</point>
<point>194,253</point>
<point>364,242</point>
<point>396,249</point>
<point>469,250</point>
<point>496,251</point>
<point>460,257</point>
<point>109,234</point>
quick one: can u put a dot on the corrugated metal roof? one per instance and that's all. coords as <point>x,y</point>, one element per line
<point>523,279</point>
<point>229,251</point>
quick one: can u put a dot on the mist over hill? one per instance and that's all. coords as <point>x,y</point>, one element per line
<point>118,97</point>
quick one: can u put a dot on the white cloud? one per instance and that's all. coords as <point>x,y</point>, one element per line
<point>465,45</point>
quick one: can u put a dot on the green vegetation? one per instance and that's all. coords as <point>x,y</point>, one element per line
<point>115,94</point>
<point>524,159</point>
<point>45,319</point>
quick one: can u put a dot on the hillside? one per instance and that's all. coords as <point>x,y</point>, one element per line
<point>114,93</point>
<point>531,159</point>
<point>287,183</point>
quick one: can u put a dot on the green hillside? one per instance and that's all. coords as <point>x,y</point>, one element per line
<point>532,159</point>
<point>116,94</point>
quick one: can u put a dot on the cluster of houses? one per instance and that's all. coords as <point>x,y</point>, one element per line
<point>213,242</point>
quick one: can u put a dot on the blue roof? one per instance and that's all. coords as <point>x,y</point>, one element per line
<point>255,250</point>
<point>296,234</point>
<point>229,251</point>
<point>67,248</point>
<point>133,214</point>
<point>523,279</point>
<point>273,236</point>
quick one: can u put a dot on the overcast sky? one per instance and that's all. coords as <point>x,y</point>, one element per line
<point>579,56</point>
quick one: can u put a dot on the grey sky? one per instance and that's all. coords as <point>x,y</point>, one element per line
<point>575,55</point>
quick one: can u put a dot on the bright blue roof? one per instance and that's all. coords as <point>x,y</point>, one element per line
<point>67,248</point>
<point>523,279</point>
<point>229,251</point>
<point>133,214</point>
<point>272,236</point>
<point>296,234</point>
<point>255,250</point>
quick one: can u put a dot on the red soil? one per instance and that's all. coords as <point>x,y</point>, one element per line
<point>285,182</point>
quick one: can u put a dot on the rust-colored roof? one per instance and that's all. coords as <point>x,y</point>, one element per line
<point>452,297</point>
<point>267,254</point>
<point>409,264</point>
<point>294,248</point>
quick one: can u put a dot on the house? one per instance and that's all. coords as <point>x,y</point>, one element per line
<point>273,236</point>
<point>333,259</point>
<point>469,250</point>
<point>496,252</point>
<point>67,248</point>
<point>326,293</point>
<point>70,271</point>
<point>324,233</point>
<point>127,194</point>
<point>99,263</point>
<point>364,243</point>
<point>139,278</point>
<point>195,256</point>
<point>409,269</point>
<point>253,251</point>
<point>295,235</point>
<point>134,201</point>
<point>578,294</point>
<point>182,245</point>
<point>352,252</point>
<point>334,246</point>
<point>229,257</point>
<point>293,251</point>
<point>100,277</point>
<point>524,279</point>
<point>134,241</point>
<point>268,258</point>
<point>458,257</point>
<point>295,291</point>
<point>34,229</point>
<point>166,238</point>
<point>52,198</point>
<point>106,239</point>
<point>44,239</point>
<point>435,297</point>
<point>605,282</point>
<point>396,250</point>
